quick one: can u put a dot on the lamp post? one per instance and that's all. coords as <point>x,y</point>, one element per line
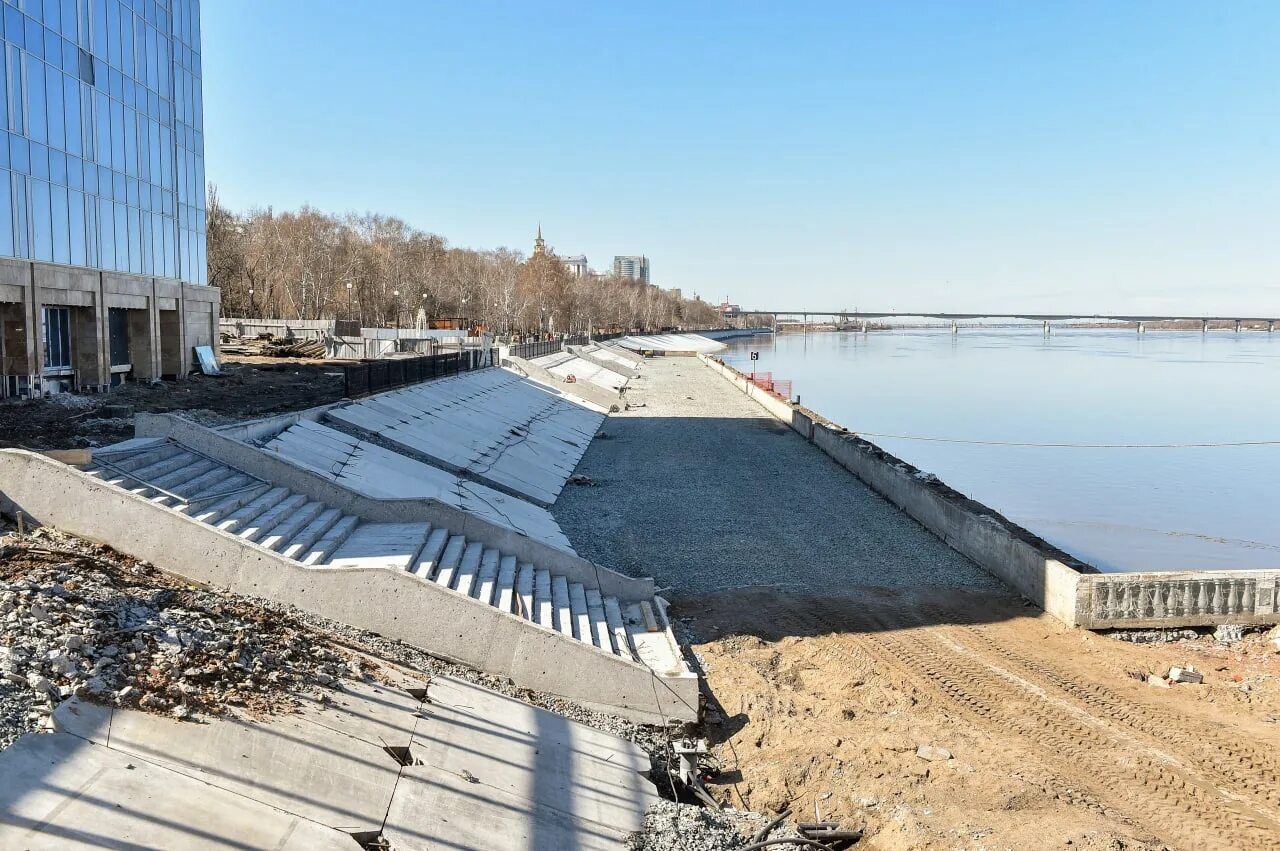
<point>349,300</point>
<point>395,305</point>
<point>253,310</point>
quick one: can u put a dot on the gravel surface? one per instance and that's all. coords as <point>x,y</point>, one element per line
<point>681,827</point>
<point>704,491</point>
<point>16,706</point>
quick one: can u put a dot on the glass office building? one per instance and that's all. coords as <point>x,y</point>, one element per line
<point>103,149</point>
<point>102,168</point>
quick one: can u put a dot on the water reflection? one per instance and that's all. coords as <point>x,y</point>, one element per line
<point>1121,509</point>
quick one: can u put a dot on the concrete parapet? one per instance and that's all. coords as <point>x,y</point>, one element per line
<point>392,603</point>
<point>583,390</point>
<point>1065,587</point>
<point>283,472</point>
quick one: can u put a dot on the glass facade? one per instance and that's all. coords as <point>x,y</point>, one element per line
<point>102,136</point>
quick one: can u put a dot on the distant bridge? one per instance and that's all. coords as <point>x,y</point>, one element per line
<point>847,316</point>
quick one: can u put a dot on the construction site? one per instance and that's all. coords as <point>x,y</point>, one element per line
<point>505,602</point>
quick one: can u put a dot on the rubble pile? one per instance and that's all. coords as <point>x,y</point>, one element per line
<point>74,622</point>
<point>266,345</point>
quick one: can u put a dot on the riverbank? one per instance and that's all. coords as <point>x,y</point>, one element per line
<point>880,677</point>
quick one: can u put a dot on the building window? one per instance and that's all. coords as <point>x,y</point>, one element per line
<point>57,340</point>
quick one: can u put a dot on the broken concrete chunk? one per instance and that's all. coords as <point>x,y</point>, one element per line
<point>1185,675</point>
<point>932,753</point>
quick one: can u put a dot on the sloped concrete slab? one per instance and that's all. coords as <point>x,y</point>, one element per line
<point>533,756</point>
<point>325,764</point>
<point>61,792</point>
<point>435,809</point>
<point>670,343</point>
<point>491,426</point>
<point>371,470</point>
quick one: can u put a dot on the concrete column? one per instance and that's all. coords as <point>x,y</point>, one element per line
<point>184,348</point>
<point>1204,326</point>
<point>156,367</point>
<point>1237,326</point>
<point>955,327</point>
<point>1142,327</point>
<point>1271,326</point>
<point>104,334</point>
<point>865,326</point>
<point>1046,327</point>
<point>35,327</point>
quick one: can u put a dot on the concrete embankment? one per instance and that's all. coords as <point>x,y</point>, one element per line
<point>1063,586</point>
<point>704,491</point>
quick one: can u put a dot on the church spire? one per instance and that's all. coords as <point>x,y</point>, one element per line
<point>539,244</point>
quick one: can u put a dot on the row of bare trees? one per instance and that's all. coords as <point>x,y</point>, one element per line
<point>377,270</point>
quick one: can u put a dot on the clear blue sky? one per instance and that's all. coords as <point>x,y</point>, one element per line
<point>887,155</point>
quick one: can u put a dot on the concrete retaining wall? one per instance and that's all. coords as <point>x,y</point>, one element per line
<point>604,363</point>
<point>282,472</point>
<point>392,603</point>
<point>584,390</point>
<point>1065,587</point>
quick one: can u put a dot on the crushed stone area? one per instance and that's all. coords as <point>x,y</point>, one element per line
<point>80,619</point>
<point>669,826</point>
<point>704,491</point>
<point>245,390</point>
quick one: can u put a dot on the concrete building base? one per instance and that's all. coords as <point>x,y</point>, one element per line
<point>121,327</point>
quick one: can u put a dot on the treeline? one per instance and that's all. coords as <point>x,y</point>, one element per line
<point>376,269</point>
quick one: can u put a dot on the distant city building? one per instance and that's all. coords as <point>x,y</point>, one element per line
<point>577,266</point>
<point>730,311</point>
<point>635,268</point>
<point>539,244</point>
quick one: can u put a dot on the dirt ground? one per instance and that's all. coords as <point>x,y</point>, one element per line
<point>1056,740</point>
<point>249,387</point>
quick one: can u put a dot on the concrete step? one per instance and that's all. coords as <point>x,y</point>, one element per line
<point>233,483</point>
<point>211,481</point>
<point>449,561</point>
<point>506,590</point>
<point>249,511</point>
<point>432,550</point>
<point>284,531</point>
<point>617,628</point>
<point>175,480</point>
<point>165,466</point>
<point>469,567</point>
<point>541,610</point>
<point>578,606</point>
<point>561,609</point>
<point>387,545</point>
<point>524,591</point>
<point>599,626</point>
<point>138,460</point>
<point>302,542</point>
<point>331,540</point>
<point>254,529</point>
<point>487,578</point>
<point>228,505</point>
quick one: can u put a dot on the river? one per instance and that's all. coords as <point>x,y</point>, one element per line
<point>1125,507</point>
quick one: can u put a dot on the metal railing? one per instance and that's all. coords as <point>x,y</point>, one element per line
<point>374,377</point>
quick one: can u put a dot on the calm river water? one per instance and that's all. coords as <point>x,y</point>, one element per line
<point>1117,508</point>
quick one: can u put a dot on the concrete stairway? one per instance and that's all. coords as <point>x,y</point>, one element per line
<point>318,535</point>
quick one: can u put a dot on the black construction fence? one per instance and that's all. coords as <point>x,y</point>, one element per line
<point>365,378</point>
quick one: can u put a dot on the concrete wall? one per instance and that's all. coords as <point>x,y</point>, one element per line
<point>282,472</point>
<point>1065,587</point>
<point>392,603</point>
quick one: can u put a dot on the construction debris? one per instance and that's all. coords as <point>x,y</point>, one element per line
<point>266,345</point>
<point>1186,674</point>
